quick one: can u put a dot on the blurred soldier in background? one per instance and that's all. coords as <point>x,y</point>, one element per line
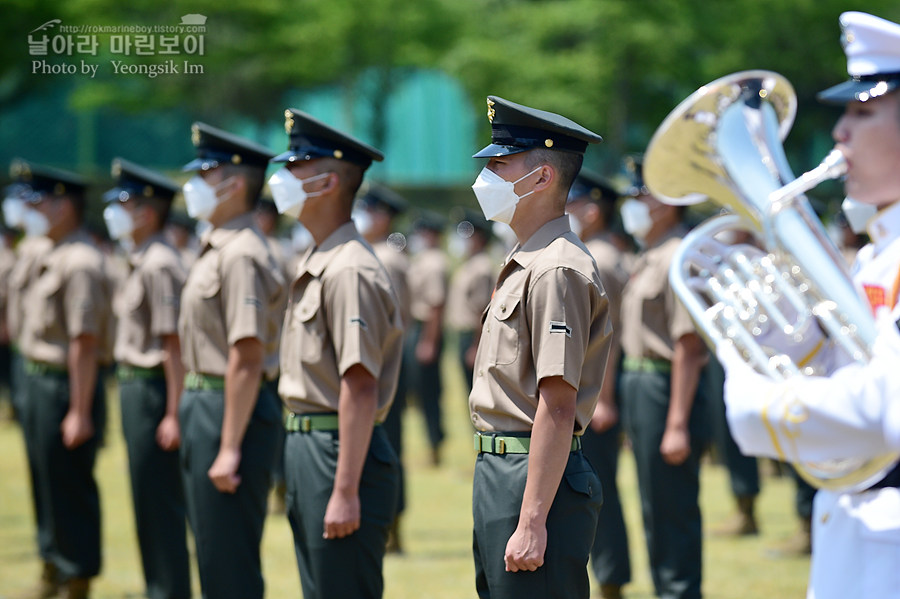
<point>181,231</point>
<point>65,338</point>
<point>428,278</point>
<point>592,208</point>
<point>377,210</point>
<point>229,327</point>
<point>7,262</point>
<point>150,373</point>
<point>663,416</point>
<point>470,289</point>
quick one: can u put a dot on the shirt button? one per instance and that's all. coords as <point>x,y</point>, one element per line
<point>503,307</point>
<point>480,373</point>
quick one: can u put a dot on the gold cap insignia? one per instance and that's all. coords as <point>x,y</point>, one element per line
<point>148,191</point>
<point>491,111</point>
<point>116,168</point>
<point>288,121</point>
<point>195,135</point>
<point>235,159</point>
<point>59,189</point>
<point>338,154</point>
<point>596,194</point>
<point>548,142</point>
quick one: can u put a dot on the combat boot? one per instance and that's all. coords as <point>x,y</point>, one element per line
<point>741,524</point>
<point>47,585</point>
<point>76,588</point>
<point>799,545</point>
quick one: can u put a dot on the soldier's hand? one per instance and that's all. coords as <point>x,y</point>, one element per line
<point>675,446</point>
<point>525,549</point>
<point>223,472</point>
<point>76,429</point>
<point>342,516</point>
<point>426,352</point>
<point>168,433</point>
<point>605,417</point>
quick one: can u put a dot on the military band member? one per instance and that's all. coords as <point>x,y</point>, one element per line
<point>65,337</point>
<point>470,289</point>
<point>340,357</point>
<point>663,360</point>
<point>539,367</point>
<point>150,372</point>
<point>854,412</point>
<point>591,207</point>
<point>229,327</point>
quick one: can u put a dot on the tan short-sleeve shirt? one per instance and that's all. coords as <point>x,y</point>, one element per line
<point>428,274</point>
<point>652,317</point>
<point>30,255</point>
<point>342,311</point>
<point>7,263</point>
<point>396,263</point>
<point>549,316</point>
<point>71,297</point>
<point>470,292</point>
<point>233,291</point>
<point>611,262</point>
<point>147,307</point>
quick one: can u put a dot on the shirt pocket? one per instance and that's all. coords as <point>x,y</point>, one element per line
<point>307,320</point>
<point>504,328</point>
<point>49,291</point>
<point>131,297</point>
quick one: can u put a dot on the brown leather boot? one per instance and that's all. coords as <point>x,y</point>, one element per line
<point>798,545</point>
<point>47,585</point>
<point>610,591</point>
<point>76,588</point>
<point>741,524</point>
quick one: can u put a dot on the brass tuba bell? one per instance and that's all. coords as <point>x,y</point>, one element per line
<point>786,299</point>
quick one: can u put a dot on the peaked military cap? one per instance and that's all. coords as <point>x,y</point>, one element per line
<point>590,186</point>
<point>215,146</point>
<point>872,46</point>
<point>379,196</point>
<point>31,181</point>
<point>634,169</point>
<point>310,138</point>
<point>471,221</point>
<point>135,181</point>
<point>430,221</point>
<point>516,128</point>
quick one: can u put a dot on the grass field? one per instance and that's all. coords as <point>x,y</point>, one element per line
<point>437,562</point>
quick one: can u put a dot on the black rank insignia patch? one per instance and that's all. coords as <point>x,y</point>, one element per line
<point>560,327</point>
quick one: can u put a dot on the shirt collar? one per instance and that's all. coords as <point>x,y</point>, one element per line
<point>137,255</point>
<point>885,227</point>
<point>525,253</point>
<point>220,236</point>
<point>321,255</point>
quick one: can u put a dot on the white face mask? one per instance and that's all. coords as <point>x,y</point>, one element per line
<point>575,225</point>
<point>362,219</point>
<point>14,212</point>
<point>118,221</point>
<point>636,218</point>
<point>858,214</point>
<point>497,196</point>
<point>201,198</point>
<point>34,223</point>
<point>288,193</point>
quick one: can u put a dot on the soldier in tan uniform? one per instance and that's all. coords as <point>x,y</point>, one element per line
<point>65,338</point>
<point>663,360</point>
<point>150,373</point>
<point>229,327</point>
<point>340,357</point>
<point>7,263</point>
<point>470,289</point>
<point>539,367</point>
<point>591,207</point>
<point>380,207</point>
<point>429,275</point>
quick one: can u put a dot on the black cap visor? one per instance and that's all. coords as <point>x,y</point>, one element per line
<point>860,89</point>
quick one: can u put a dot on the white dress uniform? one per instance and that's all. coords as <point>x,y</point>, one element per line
<point>854,412</point>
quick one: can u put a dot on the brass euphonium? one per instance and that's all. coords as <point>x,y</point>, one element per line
<point>786,300</point>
